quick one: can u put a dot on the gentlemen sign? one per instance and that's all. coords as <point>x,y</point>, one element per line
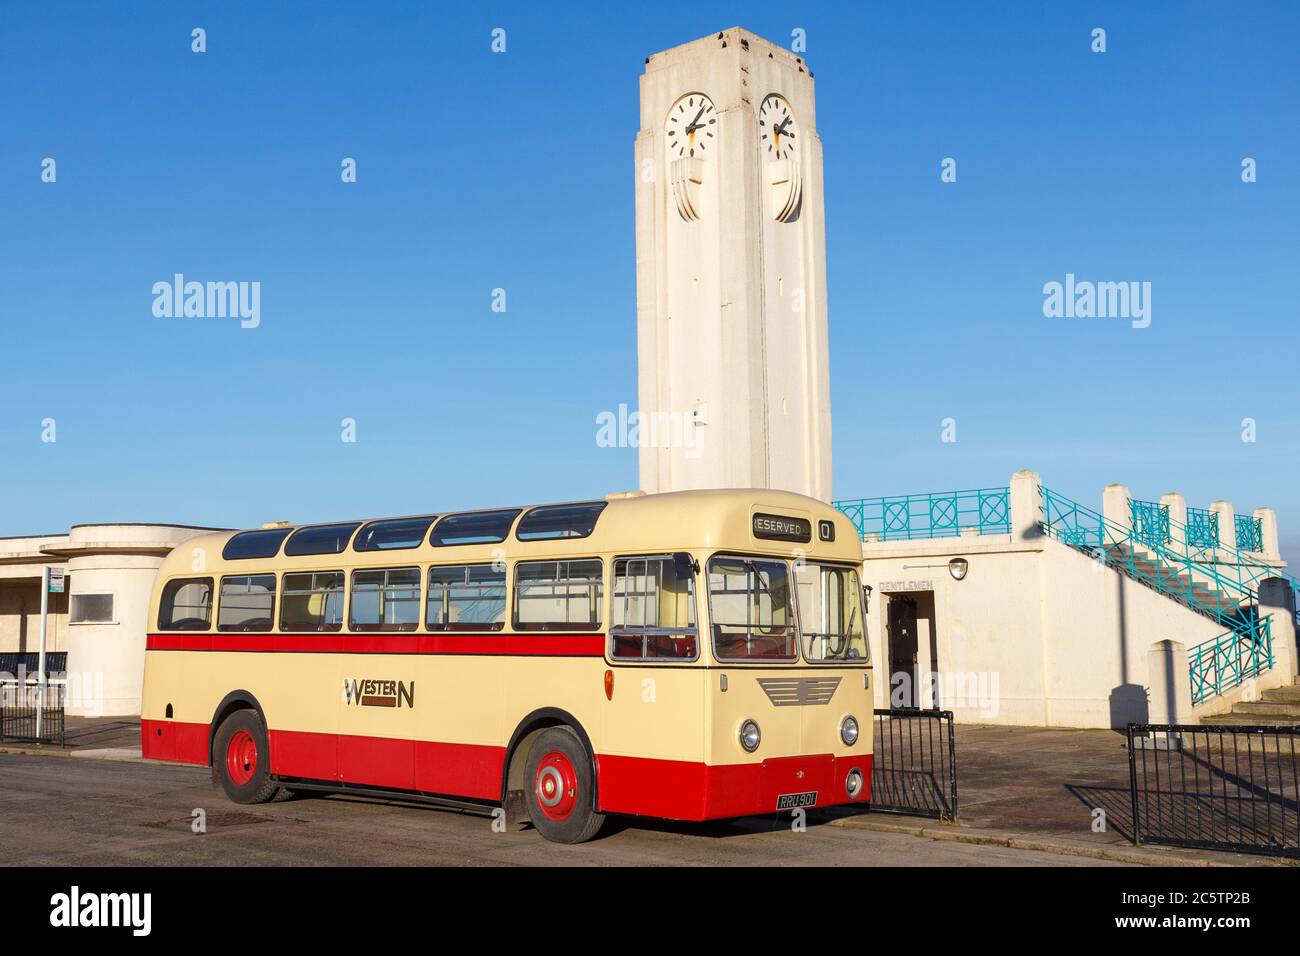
<point>781,528</point>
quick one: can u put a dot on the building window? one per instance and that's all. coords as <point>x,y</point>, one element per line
<point>393,534</point>
<point>558,595</point>
<point>385,599</point>
<point>312,601</point>
<point>466,597</point>
<point>751,607</point>
<point>186,605</point>
<point>247,603</point>
<point>653,614</point>
<point>90,609</point>
<point>322,539</point>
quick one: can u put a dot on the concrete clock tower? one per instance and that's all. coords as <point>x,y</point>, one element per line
<point>731,271</point>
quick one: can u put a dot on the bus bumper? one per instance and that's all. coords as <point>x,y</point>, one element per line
<point>678,790</point>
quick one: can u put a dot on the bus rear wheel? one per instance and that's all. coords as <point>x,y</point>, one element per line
<point>241,759</point>
<point>561,788</point>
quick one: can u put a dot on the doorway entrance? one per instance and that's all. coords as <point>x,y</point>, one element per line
<point>902,652</point>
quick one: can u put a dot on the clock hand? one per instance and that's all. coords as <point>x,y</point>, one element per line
<point>695,123</point>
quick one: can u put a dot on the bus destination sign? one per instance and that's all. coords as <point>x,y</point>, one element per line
<point>781,528</point>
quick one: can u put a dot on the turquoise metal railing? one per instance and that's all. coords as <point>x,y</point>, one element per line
<point>1239,572</point>
<point>1150,521</point>
<point>1224,661</point>
<point>1218,589</point>
<point>1202,529</point>
<point>1166,566</point>
<point>1250,533</point>
<point>943,514</point>
<point>1071,522</point>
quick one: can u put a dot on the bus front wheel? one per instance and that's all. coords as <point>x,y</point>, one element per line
<point>241,759</point>
<point>561,788</point>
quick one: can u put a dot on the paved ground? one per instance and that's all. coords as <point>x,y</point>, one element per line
<point>56,810</point>
<point>1041,781</point>
<point>1019,788</point>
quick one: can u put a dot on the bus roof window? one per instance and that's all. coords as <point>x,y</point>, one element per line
<point>476,527</point>
<point>255,544</point>
<point>322,539</point>
<point>560,521</point>
<point>393,534</point>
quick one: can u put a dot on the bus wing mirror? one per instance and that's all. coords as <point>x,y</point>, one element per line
<point>685,564</point>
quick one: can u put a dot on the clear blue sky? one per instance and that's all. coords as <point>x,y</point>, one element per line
<point>376,295</point>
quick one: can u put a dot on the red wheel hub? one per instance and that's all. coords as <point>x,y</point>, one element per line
<point>556,786</point>
<point>241,757</point>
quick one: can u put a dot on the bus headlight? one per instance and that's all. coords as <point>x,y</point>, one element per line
<point>849,730</point>
<point>750,735</point>
<point>853,783</point>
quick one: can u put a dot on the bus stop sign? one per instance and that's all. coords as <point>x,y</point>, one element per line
<point>56,580</point>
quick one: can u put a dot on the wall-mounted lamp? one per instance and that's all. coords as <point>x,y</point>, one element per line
<point>957,567</point>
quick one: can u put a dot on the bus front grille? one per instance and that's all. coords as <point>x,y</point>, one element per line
<point>793,691</point>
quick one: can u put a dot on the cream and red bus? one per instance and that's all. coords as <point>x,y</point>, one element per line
<point>692,656</point>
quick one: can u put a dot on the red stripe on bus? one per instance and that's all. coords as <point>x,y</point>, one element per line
<point>462,770</point>
<point>669,789</point>
<point>535,644</point>
<point>174,741</point>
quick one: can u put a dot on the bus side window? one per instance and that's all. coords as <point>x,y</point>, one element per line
<point>558,595</point>
<point>385,599</point>
<point>247,603</point>
<point>186,605</point>
<point>312,601</point>
<point>466,597</point>
<point>653,610</point>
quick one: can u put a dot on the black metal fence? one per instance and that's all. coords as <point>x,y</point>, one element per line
<point>914,769</point>
<point>18,664</point>
<point>19,705</point>
<point>1220,788</point>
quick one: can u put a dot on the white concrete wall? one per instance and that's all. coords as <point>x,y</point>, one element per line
<point>988,626</point>
<point>106,660</point>
<point>1053,637</point>
<point>1101,625</point>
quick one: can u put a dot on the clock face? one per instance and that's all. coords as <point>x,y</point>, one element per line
<point>778,135</point>
<point>691,127</point>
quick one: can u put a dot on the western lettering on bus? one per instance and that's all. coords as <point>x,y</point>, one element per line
<point>378,693</point>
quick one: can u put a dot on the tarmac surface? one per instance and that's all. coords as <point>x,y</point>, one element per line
<point>112,812</point>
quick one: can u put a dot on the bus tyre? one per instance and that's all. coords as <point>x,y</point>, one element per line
<point>241,759</point>
<point>561,788</point>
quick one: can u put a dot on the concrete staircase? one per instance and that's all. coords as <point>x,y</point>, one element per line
<point>1145,568</point>
<point>1278,707</point>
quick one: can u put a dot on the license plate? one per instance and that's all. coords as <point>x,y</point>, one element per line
<point>793,801</point>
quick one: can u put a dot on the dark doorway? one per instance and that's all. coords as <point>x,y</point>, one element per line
<point>902,652</point>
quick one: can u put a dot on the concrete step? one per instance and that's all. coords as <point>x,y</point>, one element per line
<point>1241,720</point>
<point>1271,707</point>
<point>1284,694</point>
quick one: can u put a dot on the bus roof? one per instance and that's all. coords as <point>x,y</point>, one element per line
<point>721,519</point>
